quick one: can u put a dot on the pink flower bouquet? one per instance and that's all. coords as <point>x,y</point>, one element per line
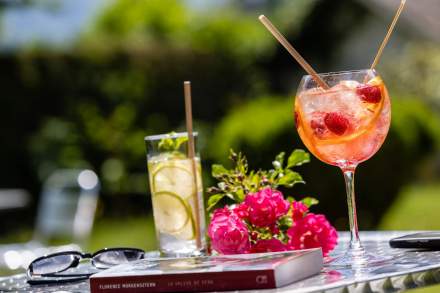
<point>260,219</point>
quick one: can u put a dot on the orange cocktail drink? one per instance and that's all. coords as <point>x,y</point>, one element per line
<point>347,123</point>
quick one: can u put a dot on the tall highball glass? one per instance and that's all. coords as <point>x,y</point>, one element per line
<point>177,195</point>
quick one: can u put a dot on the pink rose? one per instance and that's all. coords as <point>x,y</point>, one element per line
<point>274,229</point>
<point>312,231</point>
<point>219,213</point>
<point>298,210</point>
<point>228,233</point>
<point>242,210</point>
<point>268,245</point>
<point>266,206</point>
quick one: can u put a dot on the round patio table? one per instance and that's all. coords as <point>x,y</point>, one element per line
<point>406,269</point>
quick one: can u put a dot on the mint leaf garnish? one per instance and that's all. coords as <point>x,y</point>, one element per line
<point>171,144</point>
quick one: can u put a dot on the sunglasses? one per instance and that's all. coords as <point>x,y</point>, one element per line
<point>52,268</point>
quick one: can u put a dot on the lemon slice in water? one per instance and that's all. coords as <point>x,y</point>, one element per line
<point>188,231</point>
<point>174,178</point>
<point>171,213</point>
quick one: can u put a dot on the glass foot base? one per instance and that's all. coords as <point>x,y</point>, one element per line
<point>358,258</point>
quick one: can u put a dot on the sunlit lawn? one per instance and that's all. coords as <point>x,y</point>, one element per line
<point>429,289</point>
<point>416,208</point>
<point>134,232</point>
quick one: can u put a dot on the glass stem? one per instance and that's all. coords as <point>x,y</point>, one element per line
<point>355,242</point>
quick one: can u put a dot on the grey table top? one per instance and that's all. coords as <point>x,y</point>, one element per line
<point>408,268</point>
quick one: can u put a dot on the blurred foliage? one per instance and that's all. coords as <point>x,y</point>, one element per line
<point>413,75</point>
<point>134,54</point>
<point>415,202</point>
<point>91,106</point>
<point>415,122</point>
<point>415,71</point>
<point>170,22</point>
<point>244,125</point>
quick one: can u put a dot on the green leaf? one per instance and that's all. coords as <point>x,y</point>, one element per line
<point>242,164</point>
<point>232,155</point>
<point>240,195</point>
<point>235,183</point>
<point>285,222</point>
<point>213,200</point>
<point>179,141</point>
<point>166,144</point>
<point>309,201</point>
<point>297,158</point>
<point>170,143</point>
<point>218,170</point>
<point>290,178</point>
<point>290,199</point>
<point>231,196</point>
<point>255,178</point>
<point>279,160</point>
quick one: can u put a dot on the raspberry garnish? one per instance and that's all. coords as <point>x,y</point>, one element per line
<point>336,123</point>
<point>369,93</point>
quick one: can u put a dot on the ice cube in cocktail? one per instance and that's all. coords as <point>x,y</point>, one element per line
<point>346,124</point>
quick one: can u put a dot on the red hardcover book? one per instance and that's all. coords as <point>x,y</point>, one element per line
<point>210,273</point>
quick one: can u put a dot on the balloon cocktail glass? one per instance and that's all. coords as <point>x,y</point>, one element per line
<point>343,119</point>
<point>343,126</point>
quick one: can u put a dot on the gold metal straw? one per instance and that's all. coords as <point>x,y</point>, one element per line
<point>388,35</point>
<point>276,33</point>
<point>191,156</point>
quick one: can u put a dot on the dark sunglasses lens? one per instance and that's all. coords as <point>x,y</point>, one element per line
<point>110,258</point>
<point>52,264</point>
